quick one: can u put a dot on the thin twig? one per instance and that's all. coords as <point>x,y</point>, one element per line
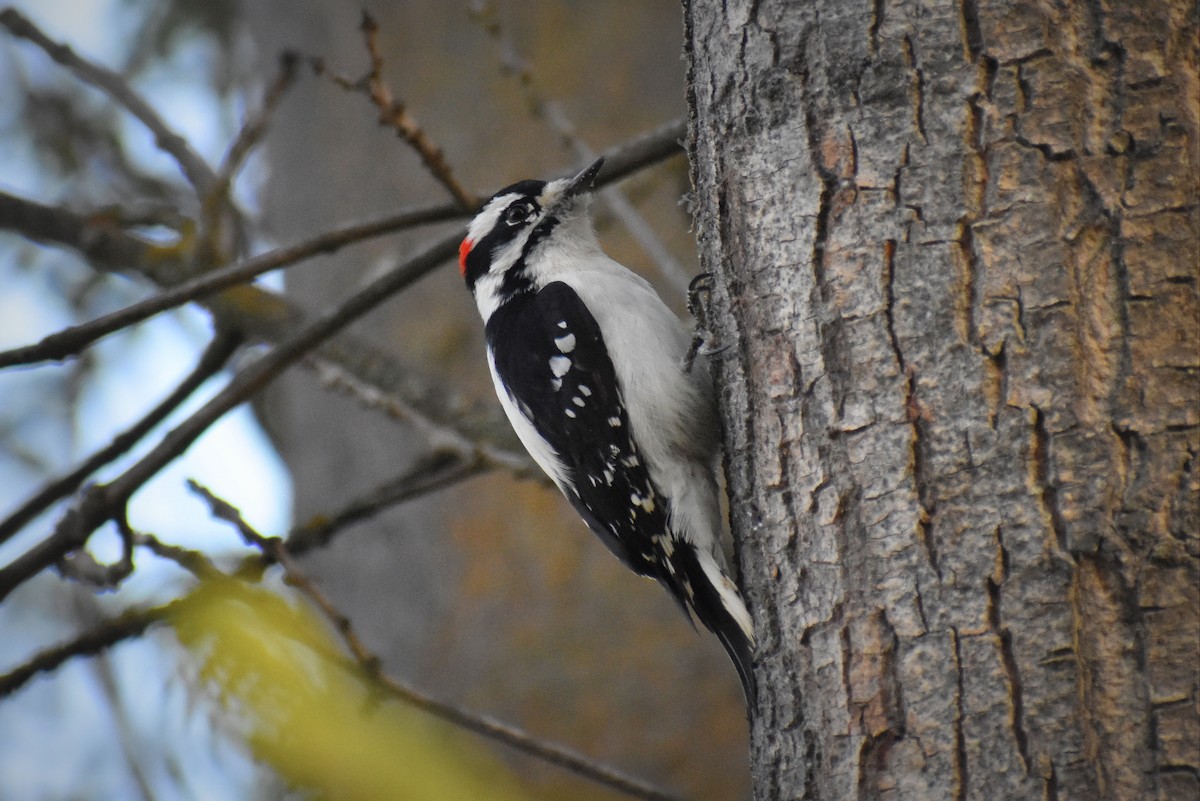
<point>197,171</point>
<point>131,623</point>
<point>255,127</point>
<point>79,564</point>
<point>211,361</point>
<point>367,371</point>
<point>657,144</point>
<point>553,113</point>
<point>371,665</point>
<point>223,510</point>
<point>74,339</point>
<point>95,236</point>
<point>439,473</point>
<point>218,199</point>
<point>111,247</point>
<point>128,625</point>
<point>395,115</point>
<point>458,433</point>
<point>190,560</point>
<point>101,503</point>
<point>435,471</point>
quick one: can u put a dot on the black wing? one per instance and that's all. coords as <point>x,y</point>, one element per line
<point>550,353</point>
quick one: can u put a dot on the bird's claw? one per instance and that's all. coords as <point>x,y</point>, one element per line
<point>704,341</point>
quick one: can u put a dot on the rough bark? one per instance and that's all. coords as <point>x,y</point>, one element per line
<point>955,248</point>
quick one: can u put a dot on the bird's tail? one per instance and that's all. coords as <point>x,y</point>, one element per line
<point>704,589</point>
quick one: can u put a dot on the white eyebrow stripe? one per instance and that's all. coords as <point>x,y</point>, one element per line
<point>487,219</point>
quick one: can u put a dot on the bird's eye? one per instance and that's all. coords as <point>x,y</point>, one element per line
<point>517,213</point>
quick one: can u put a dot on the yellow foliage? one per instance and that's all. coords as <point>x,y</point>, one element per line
<point>285,680</point>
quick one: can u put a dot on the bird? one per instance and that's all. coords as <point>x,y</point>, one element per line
<point>594,373</point>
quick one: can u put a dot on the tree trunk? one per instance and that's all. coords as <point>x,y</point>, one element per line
<point>955,249</point>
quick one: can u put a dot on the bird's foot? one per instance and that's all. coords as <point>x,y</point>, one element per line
<point>704,341</point>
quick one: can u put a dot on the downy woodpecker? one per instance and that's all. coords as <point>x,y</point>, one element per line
<point>588,363</point>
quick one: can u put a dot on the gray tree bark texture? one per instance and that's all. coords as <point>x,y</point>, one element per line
<point>955,248</point>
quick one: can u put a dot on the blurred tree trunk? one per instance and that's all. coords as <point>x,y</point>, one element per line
<point>492,593</point>
<point>956,249</point>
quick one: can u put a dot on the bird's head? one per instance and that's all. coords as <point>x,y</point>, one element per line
<point>501,254</point>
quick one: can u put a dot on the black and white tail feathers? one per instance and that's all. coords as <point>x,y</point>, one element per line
<point>702,589</point>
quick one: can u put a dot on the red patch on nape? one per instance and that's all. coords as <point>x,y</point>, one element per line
<point>463,250</point>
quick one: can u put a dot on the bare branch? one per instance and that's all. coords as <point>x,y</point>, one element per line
<point>111,247</point>
<point>262,316</point>
<point>255,128</point>
<point>123,627</point>
<point>96,237</point>
<point>657,144</point>
<point>213,359</point>
<point>371,665</point>
<point>72,340</point>
<point>100,504</point>
<point>79,564</point>
<point>190,560</point>
<point>432,472</point>
<point>553,113</point>
<point>255,376</point>
<point>218,200</point>
<point>126,626</point>
<point>458,431</point>
<point>89,511</point>
<point>197,171</point>
<point>395,115</point>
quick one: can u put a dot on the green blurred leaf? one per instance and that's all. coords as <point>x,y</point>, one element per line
<point>275,666</point>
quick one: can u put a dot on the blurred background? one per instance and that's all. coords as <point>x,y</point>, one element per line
<point>491,594</point>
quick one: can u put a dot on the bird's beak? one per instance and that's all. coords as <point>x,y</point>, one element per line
<point>582,183</point>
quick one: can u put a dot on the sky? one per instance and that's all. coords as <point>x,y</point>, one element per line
<point>77,727</point>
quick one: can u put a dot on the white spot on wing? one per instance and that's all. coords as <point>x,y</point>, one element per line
<point>578,401</point>
<point>570,413</point>
<point>559,365</point>
<point>615,422</point>
<point>566,344</point>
